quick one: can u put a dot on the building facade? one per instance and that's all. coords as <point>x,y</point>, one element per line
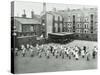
<point>25,26</point>
<point>81,22</point>
<point>27,30</point>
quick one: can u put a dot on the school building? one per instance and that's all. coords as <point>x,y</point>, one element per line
<point>82,22</point>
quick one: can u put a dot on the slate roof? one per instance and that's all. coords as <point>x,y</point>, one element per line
<point>27,20</point>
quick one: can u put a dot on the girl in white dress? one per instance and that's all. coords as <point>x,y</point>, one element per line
<point>83,53</point>
<point>31,50</point>
<point>23,50</point>
<point>76,56</point>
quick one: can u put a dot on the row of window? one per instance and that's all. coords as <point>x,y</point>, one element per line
<point>58,18</point>
<point>26,34</point>
<point>69,19</point>
<point>86,25</point>
<point>84,31</point>
<point>71,30</point>
<point>80,31</point>
<point>77,18</point>
<point>28,28</point>
<point>79,25</point>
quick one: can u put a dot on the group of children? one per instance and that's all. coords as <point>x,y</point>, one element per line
<point>57,50</point>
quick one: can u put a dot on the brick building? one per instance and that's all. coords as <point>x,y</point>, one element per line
<point>27,29</point>
<point>27,26</point>
<point>82,22</point>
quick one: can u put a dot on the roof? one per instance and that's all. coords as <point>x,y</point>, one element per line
<point>60,34</point>
<point>27,20</point>
<point>54,13</point>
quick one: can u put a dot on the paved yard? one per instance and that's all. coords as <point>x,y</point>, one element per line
<point>36,64</point>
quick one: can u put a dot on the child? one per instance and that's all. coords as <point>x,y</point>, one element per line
<point>88,55</point>
<point>83,53</point>
<point>27,46</point>
<point>31,50</point>
<point>76,56</point>
<point>23,50</point>
<point>47,54</point>
<point>16,51</point>
<point>94,52</point>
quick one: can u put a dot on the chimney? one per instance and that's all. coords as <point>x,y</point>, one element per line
<point>24,15</point>
<point>32,14</point>
<point>44,7</point>
<point>54,9</point>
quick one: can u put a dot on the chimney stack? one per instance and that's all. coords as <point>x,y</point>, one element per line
<point>44,7</point>
<point>54,9</point>
<point>24,15</point>
<point>32,14</point>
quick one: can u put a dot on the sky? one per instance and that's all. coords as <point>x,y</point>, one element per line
<point>37,7</point>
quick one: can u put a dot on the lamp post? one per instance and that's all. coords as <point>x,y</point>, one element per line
<point>43,29</point>
<point>14,38</point>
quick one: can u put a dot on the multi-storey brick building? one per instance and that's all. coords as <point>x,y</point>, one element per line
<point>82,22</point>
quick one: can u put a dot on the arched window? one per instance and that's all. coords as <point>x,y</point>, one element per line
<point>85,25</point>
<point>78,25</point>
<point>56,17</point>
<point>85,31</point>
<point>60,18</point>
<point>69,19</point>
<point>73,17</point>
<point>91,16</point>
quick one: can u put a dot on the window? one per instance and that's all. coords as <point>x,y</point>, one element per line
<point>56,27</point>
<point>27,28</point>
<point>60,18</point>
<point>80,31</point>
<point>77,35</point>
<point>73,17</point>
<point>69,19</point>
<point>78,25</point>
<point>70,24</point>
<point>77,30</point>
<point>85,31</point>
<point>91,16</point>
<point>56,18</point>
<point>85,25</point>
<point>79,19</point>
<point>54,30</point>
<point>91,31</point>
<point>31,28</point>
<point>87,36</point>
<point>86,19</point>
<point>69,30</point>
